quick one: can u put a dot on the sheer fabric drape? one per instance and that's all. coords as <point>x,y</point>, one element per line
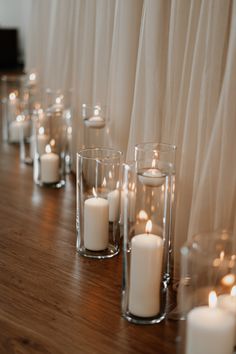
<point>167,72</point>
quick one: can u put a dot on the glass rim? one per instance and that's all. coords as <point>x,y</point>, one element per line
<point>149,144</point>
<point>117,154</point>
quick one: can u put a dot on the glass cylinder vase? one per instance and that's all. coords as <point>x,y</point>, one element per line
<point>207,294</point>
<point>14,108</point>
<point>156,159</point>
<point>98,200</point>
<point>61,99</point>
<point>145,246</point>
<point>94,121</point>
<point>49,148</point>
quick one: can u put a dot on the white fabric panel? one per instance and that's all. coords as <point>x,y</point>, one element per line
<point>147,109</point>
<point>122,70</point>
<point>215,190</point>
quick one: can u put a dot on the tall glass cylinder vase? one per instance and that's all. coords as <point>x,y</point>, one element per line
<point>12,96</point>
<point>145,244</point>
<point>50,139</point>
<point>207,294</point>
<point>94,120</point>
<point>98,200</point>
<point>154,160</point>
<point>61,99</point>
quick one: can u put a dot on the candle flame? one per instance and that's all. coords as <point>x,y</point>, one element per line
<point>110,174</point>
<point>68,114</point>
<point>212,299</point>
<point>222,255</point>
<point>228,280</point>
<point>104,182</point>
<point>53,142</point>
<point>156,154</point>
<point>58,100</point>
<point>148,227</point>
<point>20,118</point>
<point>94,193</point>
<point>12,96</point>
<point>32,77</point>
<point>142,215</point>
<point>69,130</point>
<point>97,110</point>
<point>233,291</point>
<point>48,149</point>
<point>41,130</point>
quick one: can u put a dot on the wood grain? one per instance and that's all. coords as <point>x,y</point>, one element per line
<point>51,299</point>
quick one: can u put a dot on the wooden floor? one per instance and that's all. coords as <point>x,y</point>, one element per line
<point>51,299</point>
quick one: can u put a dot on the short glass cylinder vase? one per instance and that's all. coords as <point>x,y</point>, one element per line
<point>145,247</point>
<point>98,201</point>
<point>61,100</point>
<point>156,160</point>
<point>94,121</point>
<point>49,148</point>
<point>207,294</point>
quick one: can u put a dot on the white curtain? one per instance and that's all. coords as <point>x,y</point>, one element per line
<point>167,72</point>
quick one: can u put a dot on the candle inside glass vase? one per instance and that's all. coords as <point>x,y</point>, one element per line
<point>96,221</point>
<point>209,329</point>
<point>49,166</point>
<point>153,177</point>
<point>227,302</point>
<point>145,273</point>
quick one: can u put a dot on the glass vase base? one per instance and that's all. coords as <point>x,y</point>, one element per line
<point>109,252</point>
<point>55,185</point>
<point>143,320</point>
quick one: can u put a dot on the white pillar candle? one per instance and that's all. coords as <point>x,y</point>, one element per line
<point>96,224</point>
<point>228,302</point>
<point>113,198</point>
<point>49,166</point>
<point>19,129</point>
<point>145,274</point>
<point>209,331</point>
<point>42,140</point>
<point>95,122</point>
